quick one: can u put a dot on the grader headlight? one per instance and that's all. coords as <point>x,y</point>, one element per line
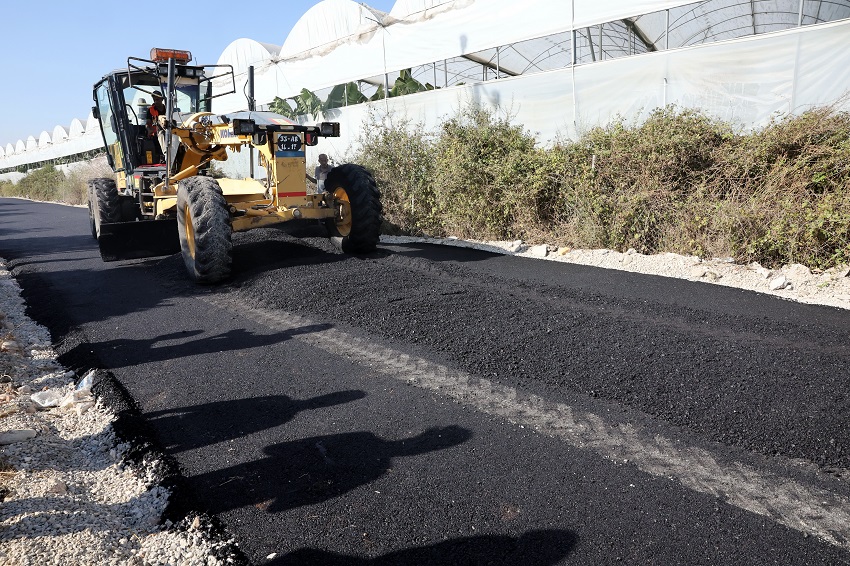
<point>329,129</point>
<point>243,127</point>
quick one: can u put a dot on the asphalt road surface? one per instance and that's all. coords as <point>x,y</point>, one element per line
<point>432,405</point>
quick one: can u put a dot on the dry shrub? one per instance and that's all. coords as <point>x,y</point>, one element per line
<point>791,184</point>
<point>75,188</point>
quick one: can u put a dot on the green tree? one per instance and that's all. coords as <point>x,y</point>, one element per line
<point>282,107</point>
<point>406,84</point>
<point>346,94</point>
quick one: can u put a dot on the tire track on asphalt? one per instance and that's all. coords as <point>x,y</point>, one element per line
<point>809,509</point>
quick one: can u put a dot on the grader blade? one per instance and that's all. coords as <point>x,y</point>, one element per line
<point>134,240</point>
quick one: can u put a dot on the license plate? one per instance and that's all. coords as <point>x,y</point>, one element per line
<point>288,142</point>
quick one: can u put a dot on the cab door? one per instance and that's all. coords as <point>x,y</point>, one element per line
<point>109,125</point>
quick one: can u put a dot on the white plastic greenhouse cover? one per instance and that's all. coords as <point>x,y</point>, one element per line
<point>268,80</point>
<point>417,10</point>
<point>741,60</point>
<point>76,129</point>
<point>329,24</point>
<point>92,125</point>
<point>243,52</point>
<point>59,134</point>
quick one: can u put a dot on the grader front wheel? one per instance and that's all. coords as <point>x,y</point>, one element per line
<point>356,226</point>
<point>104,205</point>
<point>203,223</point>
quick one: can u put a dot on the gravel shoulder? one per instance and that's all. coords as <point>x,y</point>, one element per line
<point>69,494</point>
<point>68,490</point>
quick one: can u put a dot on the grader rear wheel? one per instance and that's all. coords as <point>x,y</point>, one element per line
<point>203,223</point>
<point>356,226</point>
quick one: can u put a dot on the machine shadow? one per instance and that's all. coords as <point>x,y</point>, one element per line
<point>227,420</point>
<point>47,246</point>
<point>265,250</point>
<point>439,252</point>
<point>313,470</point>
<point>533,548</point>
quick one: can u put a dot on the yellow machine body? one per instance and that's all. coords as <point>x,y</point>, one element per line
<point>281,197</point>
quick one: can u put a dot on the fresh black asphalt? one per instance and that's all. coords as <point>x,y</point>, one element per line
<point>323,460</point>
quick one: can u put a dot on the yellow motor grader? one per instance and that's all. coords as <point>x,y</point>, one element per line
<point>162,138</point>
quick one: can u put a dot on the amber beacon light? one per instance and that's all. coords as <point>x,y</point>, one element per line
<point>162,55</point>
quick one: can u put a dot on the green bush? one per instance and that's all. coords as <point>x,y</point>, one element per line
<point>42,184</point>
<point>678,181</point>
<point>401,157</point>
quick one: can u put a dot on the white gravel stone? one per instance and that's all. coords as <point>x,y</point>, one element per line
<point>539,251</point>
<point>779,283</point>
<point>13,436</point>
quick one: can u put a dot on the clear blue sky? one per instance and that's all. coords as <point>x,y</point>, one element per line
<point>55,50</point>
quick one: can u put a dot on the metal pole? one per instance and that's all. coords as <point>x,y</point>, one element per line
<point>667,29</point>
<point>573,58</point>
<point>169,109</point>
<point>600,41</point>
<point>252,105</point>
<point>800,15</point>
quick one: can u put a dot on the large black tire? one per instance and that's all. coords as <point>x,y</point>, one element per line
<point>92,224</point>
<point>203,222</point>
<point>356,227</point>
<point>104,205</point>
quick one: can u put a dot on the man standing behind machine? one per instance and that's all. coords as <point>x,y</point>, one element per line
<point>321,173</point>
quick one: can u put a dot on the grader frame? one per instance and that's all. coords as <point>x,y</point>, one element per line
<point>163,198</point>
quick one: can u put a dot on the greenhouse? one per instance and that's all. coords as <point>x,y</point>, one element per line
<point>555,67</point>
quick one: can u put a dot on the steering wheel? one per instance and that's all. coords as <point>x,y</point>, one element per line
<point>190,122</point>
<point>135,116</point>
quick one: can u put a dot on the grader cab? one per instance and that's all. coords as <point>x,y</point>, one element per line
<point>161,140</point>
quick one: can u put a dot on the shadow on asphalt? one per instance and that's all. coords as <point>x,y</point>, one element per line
<point>438,252</point>
<point>125,352</point>
<point>47,245</point>
<point>270,250</point>
<point>534,548</point>
<point>226,420</point>
<point>314,470</point>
